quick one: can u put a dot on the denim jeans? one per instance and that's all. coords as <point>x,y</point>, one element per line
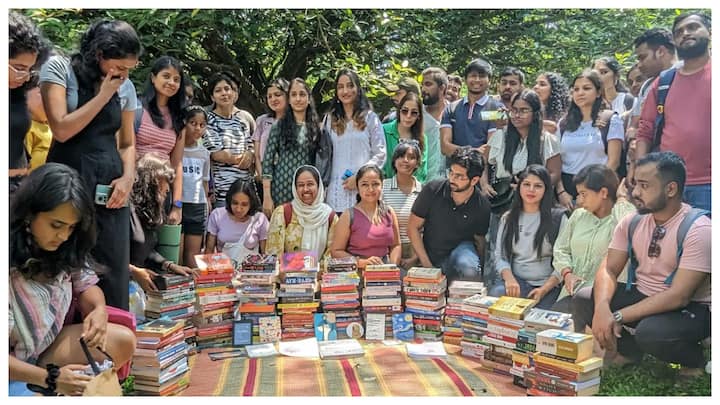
<point>698,196</point>
<point>19,389</point>
<point>462,264</point>
<point>498,290</point>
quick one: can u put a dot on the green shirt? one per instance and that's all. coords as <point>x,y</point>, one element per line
<point>392,138</point>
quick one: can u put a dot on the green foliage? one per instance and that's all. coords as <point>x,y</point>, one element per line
<point>258,45</point>
<point>128,386</point>
<point>651,377</point>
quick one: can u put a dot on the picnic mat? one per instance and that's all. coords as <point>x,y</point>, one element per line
<point>382,371</point>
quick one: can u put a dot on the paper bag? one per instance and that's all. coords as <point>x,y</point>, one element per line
<point>103,384</point>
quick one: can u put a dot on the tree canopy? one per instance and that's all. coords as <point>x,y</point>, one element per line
<point>257,45</point>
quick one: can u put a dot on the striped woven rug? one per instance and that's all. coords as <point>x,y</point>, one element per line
<point>383,371</point>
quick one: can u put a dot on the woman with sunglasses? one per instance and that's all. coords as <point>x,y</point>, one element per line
<point>27,50</point>
<point>407,125</point>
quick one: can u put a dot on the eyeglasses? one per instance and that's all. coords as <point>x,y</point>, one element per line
<point>658,234</point>
<point>22,73</point>
<point>520,111</point>
<point>413,113</point>
<point>409,141</point>
<point>456,176</point>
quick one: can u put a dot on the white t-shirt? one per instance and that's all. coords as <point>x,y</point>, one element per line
<point>584,146</point>
<point>196,169</point>
<point>550,148</point>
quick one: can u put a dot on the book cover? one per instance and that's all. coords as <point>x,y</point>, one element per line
<point>403,326</point>
<point>375,326</point>
<point>429,273</point>
<point>511,307</point>
<point>299,261</point>
<point>261,350</point>
<point>340,349</point>
<point>214,263</point>
<point>242,333</point>
<point>306,348</point>
<point>159,328</point>
<point>426,350</point>
<point>545,319</point>
<point>577,346</point>
<point>269,329</point>
<point>325,328</point>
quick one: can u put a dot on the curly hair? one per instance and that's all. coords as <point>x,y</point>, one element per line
<point>287,123</point>
<point>361,107</point>
<point>559,99</point>
<point>151,168</point>
<point>25,37</point>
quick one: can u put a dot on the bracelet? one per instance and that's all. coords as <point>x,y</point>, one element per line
<point>565,272</point>
<point>51,381</point>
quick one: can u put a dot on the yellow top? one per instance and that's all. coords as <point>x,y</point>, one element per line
<point>37,143</point>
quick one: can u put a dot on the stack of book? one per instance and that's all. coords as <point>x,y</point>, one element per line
<point>339,292</point>
<point>564,365</point>
<point>256,289</point>
<point>424,292</point>
<point>160,363</point>
<point>474,325</point>
<point>216,298</point>
<point>457,292</point>
<point>504,322</point>
<point>173,299</point>
<point>382,293</point>
<point>298,285</point>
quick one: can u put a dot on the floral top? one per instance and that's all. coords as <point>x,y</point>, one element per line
<point>280,163</point>
<point>282,239</point>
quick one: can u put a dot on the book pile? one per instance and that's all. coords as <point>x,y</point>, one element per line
<point>382,293</point>
<point>298,285</point>
<point>339,292</point>
<point>474,324</point>
<point>173,299</point>
<point>504,322</point>
<point>257,295</point>
<point>216,299</point>
<point>564,365</point>
<point>160,363</point>
<point>424,292</point>
<point>457,292</point>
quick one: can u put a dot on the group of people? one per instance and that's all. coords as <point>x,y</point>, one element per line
<point>544,193</point>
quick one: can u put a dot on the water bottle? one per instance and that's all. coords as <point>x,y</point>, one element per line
<point>137,300</point>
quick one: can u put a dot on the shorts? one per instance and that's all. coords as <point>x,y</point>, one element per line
<point>194,218</point>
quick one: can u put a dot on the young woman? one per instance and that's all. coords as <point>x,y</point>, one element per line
<point>369,230</point>
<point>554,96</point>
<point>613,91</point>
<point>196,175</point>
<point>228,137</point>
<point>583,243</point>
<point>152,183</point>
<point>525,238</point>
<point>292,143</point>
<point>52,230</point>
<point>161,124</point>
<point>310,224</point>
<point>27,51</point>
<point>408,125</point>
<point>239,228</point>
<point>400,192</point>
<point>90,105</point>
<point>277,101</point>
<point>581,140</point>
<point>357,138</point>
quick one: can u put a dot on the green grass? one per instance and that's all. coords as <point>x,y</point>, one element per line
<point>651,377</point>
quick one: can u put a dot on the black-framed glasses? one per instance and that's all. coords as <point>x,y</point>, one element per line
<point>658,234</point>
<point>406,111</point>
<point>516,112</point>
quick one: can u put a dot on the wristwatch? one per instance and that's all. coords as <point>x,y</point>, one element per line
<point>177,203</point>
<point>617,315</point>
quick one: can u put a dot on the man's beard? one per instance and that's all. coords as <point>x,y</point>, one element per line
<point>694,51</point>
<point>653,206</point>
<point>431,100</point>
<point>456,189</point>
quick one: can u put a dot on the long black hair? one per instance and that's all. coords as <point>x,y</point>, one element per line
<point>107,39</point>
<point>416,130</point>
<point>248,187</point>
<point>511,234</point>
<point>615,67</point>
<point>574,116</point>
<point>176,103</point>
<point>361,107</point>
<point>287,123</point>
<point>534,137</point>
<point>43,190</point>
<point>382,208</point>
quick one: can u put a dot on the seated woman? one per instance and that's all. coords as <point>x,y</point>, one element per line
<point>305,223</point>
<point>400,192</point>
<point>239,228</point>
<point>52,230</point>
<point>369,230</point>
<point>582,244</point>
<point>525,238</point>
<point>147,214</point>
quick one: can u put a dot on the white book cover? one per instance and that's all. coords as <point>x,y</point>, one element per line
<point>261,350</point>
<point>307,348</point>
<point>340,348</point>
<point>375,327</point>
<point>426,350</point>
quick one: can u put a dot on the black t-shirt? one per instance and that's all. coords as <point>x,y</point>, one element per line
<point>446,225</point>
<point>19,126</point>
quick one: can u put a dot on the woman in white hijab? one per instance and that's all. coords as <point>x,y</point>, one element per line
<point>305,223</point>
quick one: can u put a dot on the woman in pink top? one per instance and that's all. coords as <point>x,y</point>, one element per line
<point>369,230</point>
<point>160,128</point>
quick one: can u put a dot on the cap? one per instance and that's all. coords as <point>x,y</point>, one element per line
<point>405,83</point>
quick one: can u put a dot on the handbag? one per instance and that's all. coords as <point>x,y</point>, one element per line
<point>324,154</point>
<point>503,187</point>
<point>103,384</point>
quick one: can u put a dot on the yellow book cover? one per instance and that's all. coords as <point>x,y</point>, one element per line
<point>571,345</point>
<point>582,367</point>
<point>298,305</point>
<point>511,307</point>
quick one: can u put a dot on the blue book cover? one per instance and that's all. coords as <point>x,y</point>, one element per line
<point>403,326</point>
<point>325,327</point>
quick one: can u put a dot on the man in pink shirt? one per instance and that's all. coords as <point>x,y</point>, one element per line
<point>665,316</point>
<point>687,126</point>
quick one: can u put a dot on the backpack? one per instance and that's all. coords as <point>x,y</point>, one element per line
<point>666,78</point>
<point>287,214</point>
<point>685,225</point>
<point>557,216</point>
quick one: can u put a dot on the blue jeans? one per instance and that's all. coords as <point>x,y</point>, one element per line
<point>498,290</point>
<point>19,389</point>
<point>698,196</point>
<point>463,263</point>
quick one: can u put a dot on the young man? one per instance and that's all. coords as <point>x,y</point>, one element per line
<point>434,87</point>
<point>453,89</point>
<point>512,81</point>
<point>453,217</point>
<point>687,128</point>
<point>404,86</point>
<point>666,312</point>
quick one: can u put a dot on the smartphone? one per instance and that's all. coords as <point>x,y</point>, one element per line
<point>102,194</point>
